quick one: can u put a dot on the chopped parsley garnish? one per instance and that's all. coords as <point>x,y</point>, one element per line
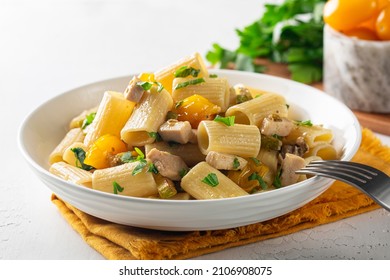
<point>288,106</point>
<point>241,98</point>
<point>277,137</point>
<point>155,135</point>
<point>117,187</point>
<point>148,85</point>
<point>173,144</point>
<point>186,71</point>
<point>236,163</point>
<point>213,76</point>
<point>183,172</point>
<point>189,83</point>
<point>140,153</point>
<point>178,104</point>
<point>304,123</point>
<point>79,153</point>
<point>145,85</point>
<point>160,86</point>
<point>277,182</point>
<point>88,120</point>
<point>140,166</point>
<point>152,168</point>
<point>256,161</point>
<point>229,121</point>
<point>257,177</point>
<point>128,157</point>
<point>211,179</point>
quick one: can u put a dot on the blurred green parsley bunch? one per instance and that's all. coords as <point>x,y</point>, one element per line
<point>290,32</point>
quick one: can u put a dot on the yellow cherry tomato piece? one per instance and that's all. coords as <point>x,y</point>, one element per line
<point>102,149</point>
<point>383,24</point>
<point>244,180</point>
<point>362,33</point>
<point>382,4</point>
<point>195,109</point>
<point>345,15</point>
<point>371,23</point>
<point>146,77</point>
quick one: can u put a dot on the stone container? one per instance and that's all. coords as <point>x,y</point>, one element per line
<point>357,72</point>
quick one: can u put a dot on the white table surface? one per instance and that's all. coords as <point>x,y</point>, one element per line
<point>48,47</point>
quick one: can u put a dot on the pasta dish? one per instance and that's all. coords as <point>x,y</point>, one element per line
<point>182,133</point>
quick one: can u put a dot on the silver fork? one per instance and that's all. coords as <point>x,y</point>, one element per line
<point>371,181</point>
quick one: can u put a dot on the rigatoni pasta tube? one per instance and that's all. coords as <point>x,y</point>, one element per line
<point>78,120</point>
<point>73,135</point>
<point>147,117</point>
<point>255,110</point>
<point>71,173</point>
<point>70,157</point>
<point>323,150</point>
<point>113,112</point>
<point>193,183</point>
<point>238,139</point>
<point>216,90</point>
<point>139,185</point>
<point>312,134</point>
<point>166,75</point>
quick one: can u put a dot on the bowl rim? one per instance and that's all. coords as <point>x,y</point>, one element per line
<point>271,193</point>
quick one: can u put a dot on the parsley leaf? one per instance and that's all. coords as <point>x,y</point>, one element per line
<point>127,157</point>
<point>79,153</point>
<point>183,172</point>
<point>88,120</point>
<point>145,85</point>
<point>304,123</point>
<point>186,71</point>
<point>280,138</point>
<point>229,121</point>
<point>160,86</point>
<point>211,179</point>
<point>189,83</point>
<point>149,85</point>
<point>256,161</point>
<point>236,163</point>
<point>155,135</point>
<point>117,187</point>
<point>140,166</point>
<point>277,182</point>
<point>178,104</point>
<point>257,177</point>
<point>290,32</point>
<point>140,153</point>
<point>152,168</point>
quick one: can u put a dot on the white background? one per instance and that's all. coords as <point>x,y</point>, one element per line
<point>48,47</point>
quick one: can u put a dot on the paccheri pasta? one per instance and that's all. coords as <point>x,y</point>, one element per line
<point>180,133</point>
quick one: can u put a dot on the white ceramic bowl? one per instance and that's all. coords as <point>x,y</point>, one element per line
<point>43,129</point>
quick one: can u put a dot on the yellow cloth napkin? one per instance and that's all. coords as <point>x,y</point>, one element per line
<point>116,241</point>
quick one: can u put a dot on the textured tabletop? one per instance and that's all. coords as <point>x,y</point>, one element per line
<point>48,47</point>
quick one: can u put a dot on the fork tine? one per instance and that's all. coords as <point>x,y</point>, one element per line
<point>356,172</point>
<point>371,181</point>
<point>333,174</point>
<point>348,164</point>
